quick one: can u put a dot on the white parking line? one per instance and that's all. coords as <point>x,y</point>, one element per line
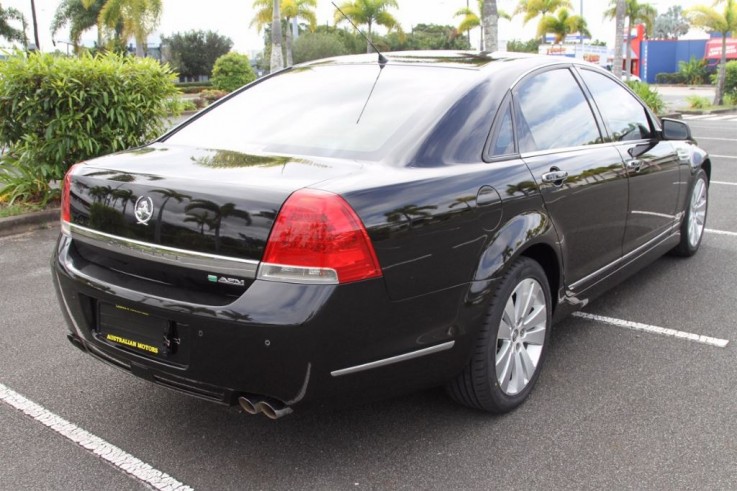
<point>720,232</point>
<point>637,326</point>
<point>724,156</point>
<point>713,138</point>
<point>112,454</point>
<point>724,183</point>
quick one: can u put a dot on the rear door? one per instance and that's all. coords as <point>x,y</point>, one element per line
<point>581,177</point>
<point>652,165</point>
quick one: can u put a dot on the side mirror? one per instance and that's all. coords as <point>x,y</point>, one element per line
<point>674,129</point>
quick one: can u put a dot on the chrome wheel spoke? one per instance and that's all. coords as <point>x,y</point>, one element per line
<point>503,363</point>
<point>528,365</point>
<point>535,336</point>
<point>536,317</point>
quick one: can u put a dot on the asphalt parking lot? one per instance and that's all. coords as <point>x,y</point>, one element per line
<point>651,407</point>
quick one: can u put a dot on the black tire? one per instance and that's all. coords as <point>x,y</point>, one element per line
<point>689,244</point>
<point>478,385</point>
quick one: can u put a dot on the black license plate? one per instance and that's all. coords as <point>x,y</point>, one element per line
<point>137,331</point>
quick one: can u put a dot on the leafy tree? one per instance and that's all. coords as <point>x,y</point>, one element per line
<point>79,18</point>
<point>562,25</point>
<point>314,46</point>
<point>428,36</point>
<point>193,53</point>
<point>671,25</point>
<point>9,32</point>
<point>536,8</point>
<point>290,9</point>
<point>232,71</point>
<point>518,46</point>
<point>472,19</point>
<point>635,13</point>
<point>369,12</point>
<point>138,18</point>
<point>724,22</point>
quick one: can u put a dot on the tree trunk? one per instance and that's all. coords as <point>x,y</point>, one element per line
<point>290,59</point>
<point>619,39</point>
<point>490,23</point>
<point>35,25</point>
<point>628,52</point>
<point>719,92</point>
<point>140,47</point>
<point>368,42</point>
<point>277,60</point>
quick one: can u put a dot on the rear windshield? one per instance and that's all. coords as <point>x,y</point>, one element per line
<point>347,111</point>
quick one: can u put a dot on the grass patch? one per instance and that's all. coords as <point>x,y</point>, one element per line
<point>20,208</point>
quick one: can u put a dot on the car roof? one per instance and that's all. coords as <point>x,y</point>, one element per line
<point>471,60</point>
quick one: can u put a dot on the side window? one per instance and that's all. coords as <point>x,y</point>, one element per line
<point>504,137</point>
<point>623,115</point>
<point>553,113</point>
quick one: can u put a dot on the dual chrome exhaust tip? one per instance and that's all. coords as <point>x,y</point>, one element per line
<point>270,408</point>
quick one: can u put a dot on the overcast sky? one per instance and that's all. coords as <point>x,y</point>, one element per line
<point>232,18</point>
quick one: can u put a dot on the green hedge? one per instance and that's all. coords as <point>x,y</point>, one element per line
<point>55,111</point>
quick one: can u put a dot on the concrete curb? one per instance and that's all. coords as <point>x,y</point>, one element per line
<point>29,221</point>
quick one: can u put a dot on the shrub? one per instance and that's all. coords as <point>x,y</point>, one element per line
<point>698,102</point>
<point>211,96</point>
<point>693,71</point>
<point>232,71</point>
<point>730,81</point>
<point>55,111</point>
<point>649,95</point>
<point>670,78</point>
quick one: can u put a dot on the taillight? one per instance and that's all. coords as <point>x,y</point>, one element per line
<point>318,238</point>
<point>66,204</point>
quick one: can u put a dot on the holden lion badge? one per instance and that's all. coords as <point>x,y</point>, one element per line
<point>144,210</point>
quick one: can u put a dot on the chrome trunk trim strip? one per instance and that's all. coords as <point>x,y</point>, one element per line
<point>210,263</point>
<point>394,359</point>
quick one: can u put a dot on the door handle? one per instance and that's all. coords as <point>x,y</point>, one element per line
<point>555,176</point>
<point>634,164</point>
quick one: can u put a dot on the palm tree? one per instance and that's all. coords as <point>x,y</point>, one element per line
<point>620,10</point>
<point>369,12</point>
<point>9,32</point>
<point>79,18</point>
<point>472,19</point>
<point>723,22</point>
<point>218,213</point>
<point>167,194</point>
<point>290,9</point>
<point>535,8</point>
<point>635,13</point>
<point>139,18</point>
<point>562,25</point>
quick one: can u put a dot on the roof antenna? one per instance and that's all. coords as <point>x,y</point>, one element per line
<point>382,59</point>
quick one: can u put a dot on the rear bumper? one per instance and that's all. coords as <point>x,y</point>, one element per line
<point>294,343</point>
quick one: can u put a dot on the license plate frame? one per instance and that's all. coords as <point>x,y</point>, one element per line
<point>138,331</point>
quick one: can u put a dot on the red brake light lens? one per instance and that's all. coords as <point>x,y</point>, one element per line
<point>318,238</point>
<point>66,204</point>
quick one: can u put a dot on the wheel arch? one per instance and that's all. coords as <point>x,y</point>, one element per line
<point>545,256</point>
<point>707,168</point>
<point>530,235</point>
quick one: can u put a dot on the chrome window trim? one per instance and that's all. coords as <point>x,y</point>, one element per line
<point>394,359</point>
<point>200,261</point>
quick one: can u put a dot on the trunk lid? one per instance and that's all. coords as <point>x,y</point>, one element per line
<point>207,201</point>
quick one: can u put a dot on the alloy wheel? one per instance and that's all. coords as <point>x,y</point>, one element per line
<point>521,336</point>
<point>697,213</point>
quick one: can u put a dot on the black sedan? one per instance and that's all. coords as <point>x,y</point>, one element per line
<point>350,229</point>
